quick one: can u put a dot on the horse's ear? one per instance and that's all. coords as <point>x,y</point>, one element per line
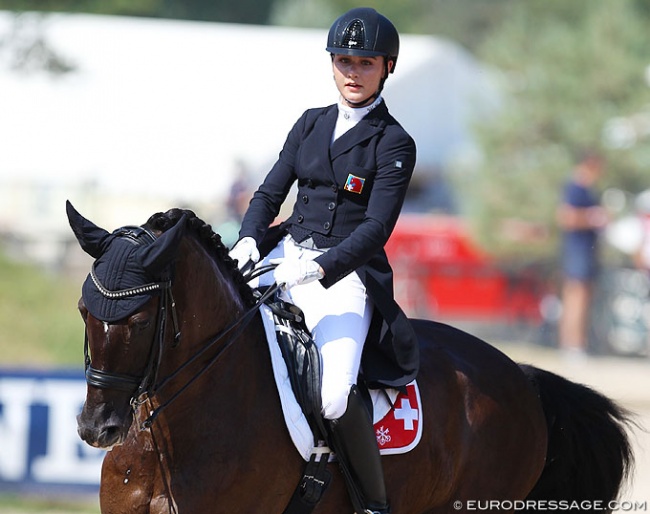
<point>90,236</point>
<point>155,257</point>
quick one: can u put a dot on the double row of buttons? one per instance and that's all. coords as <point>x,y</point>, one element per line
<point>326,225</point>
<point>331,206</point>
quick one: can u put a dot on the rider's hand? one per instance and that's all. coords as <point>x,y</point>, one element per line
<point>245,250</point>
<point>294,272</point>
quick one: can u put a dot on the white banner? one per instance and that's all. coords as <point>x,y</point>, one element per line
<point>39,445</point>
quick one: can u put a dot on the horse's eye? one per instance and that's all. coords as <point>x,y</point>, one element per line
<point>140,324</point>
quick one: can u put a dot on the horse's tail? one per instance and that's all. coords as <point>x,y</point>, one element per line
<point>589,454</point>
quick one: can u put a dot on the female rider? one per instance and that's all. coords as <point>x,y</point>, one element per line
<point>353,163</point>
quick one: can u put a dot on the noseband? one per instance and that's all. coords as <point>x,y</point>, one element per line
<point>136,385</point>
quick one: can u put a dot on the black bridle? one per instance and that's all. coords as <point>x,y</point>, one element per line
<point>103,379</point>
<point>146,385</point>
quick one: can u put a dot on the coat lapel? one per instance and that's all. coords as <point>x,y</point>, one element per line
<point>320,138</point>
<point>365,129</point>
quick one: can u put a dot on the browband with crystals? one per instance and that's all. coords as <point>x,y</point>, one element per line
<point>125,293</point>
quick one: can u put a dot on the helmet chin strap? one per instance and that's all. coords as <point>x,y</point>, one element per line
<point>362,103</point>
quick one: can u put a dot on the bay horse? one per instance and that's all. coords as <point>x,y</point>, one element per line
<point>181,391</point>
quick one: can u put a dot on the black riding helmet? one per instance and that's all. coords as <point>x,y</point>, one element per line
<point>364,32</point>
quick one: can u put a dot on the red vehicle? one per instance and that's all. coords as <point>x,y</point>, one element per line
<point>441,274</point>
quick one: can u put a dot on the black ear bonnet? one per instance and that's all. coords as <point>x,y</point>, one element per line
<point>131,265</point>
<point>119,269</point>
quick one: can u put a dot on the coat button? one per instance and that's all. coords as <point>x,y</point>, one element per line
<point>335,188</point>
<point>326,225</point>
<point>300,218</point>
<point>305,199</point>
<point>331,206</point>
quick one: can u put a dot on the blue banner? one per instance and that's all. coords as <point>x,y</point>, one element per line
<point>39,446</point>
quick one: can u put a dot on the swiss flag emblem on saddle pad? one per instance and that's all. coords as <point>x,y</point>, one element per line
<point>400,429</point>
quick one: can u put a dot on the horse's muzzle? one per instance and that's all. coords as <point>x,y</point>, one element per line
<point>100,430</point>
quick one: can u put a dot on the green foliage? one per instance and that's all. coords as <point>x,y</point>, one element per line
<point>467,22</point>
<point>235,11</point>
<point>118,7</point>
<point>16,504</point>
<point>39,321</point>
<point>567,69</point>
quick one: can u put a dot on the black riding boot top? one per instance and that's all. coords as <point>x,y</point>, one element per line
<point>354,441</point>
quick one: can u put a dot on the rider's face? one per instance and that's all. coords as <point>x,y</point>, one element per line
<point>357,78</point>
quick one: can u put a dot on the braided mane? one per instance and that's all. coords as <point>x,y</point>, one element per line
<point>163,221</point>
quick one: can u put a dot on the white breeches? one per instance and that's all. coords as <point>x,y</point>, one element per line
<point>338,318</point>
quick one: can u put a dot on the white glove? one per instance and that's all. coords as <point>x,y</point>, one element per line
<point>245,250</point>
<point>294,272</point>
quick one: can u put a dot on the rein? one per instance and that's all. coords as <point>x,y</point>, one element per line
<point>238,326</point>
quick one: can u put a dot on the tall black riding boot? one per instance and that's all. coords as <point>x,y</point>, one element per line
<point>352,437</point>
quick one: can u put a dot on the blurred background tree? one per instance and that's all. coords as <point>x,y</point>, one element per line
<point>465,21</point>
<point>227,11</point>
<point>572,77</point>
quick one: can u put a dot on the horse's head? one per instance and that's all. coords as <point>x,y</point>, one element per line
<point>121,306</point>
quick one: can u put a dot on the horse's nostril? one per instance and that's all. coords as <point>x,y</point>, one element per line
<point>108,436</point>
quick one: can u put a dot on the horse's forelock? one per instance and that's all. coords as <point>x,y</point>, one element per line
<point>163,221</point>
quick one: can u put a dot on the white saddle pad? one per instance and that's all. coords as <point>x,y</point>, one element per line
<point>398,429</point>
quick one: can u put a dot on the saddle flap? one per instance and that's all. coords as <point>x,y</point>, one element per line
<point>302,360</point>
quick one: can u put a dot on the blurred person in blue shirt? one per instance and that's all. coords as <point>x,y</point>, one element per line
<point>581,219</point>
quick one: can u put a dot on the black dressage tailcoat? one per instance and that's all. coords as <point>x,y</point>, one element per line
<point>350,194</point>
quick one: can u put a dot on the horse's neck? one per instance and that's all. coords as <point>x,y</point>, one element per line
<point>236,381</point>
<point>210,297</point>
<point>233,409</point>
<point>229,422</point>
<point>210,309</point>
